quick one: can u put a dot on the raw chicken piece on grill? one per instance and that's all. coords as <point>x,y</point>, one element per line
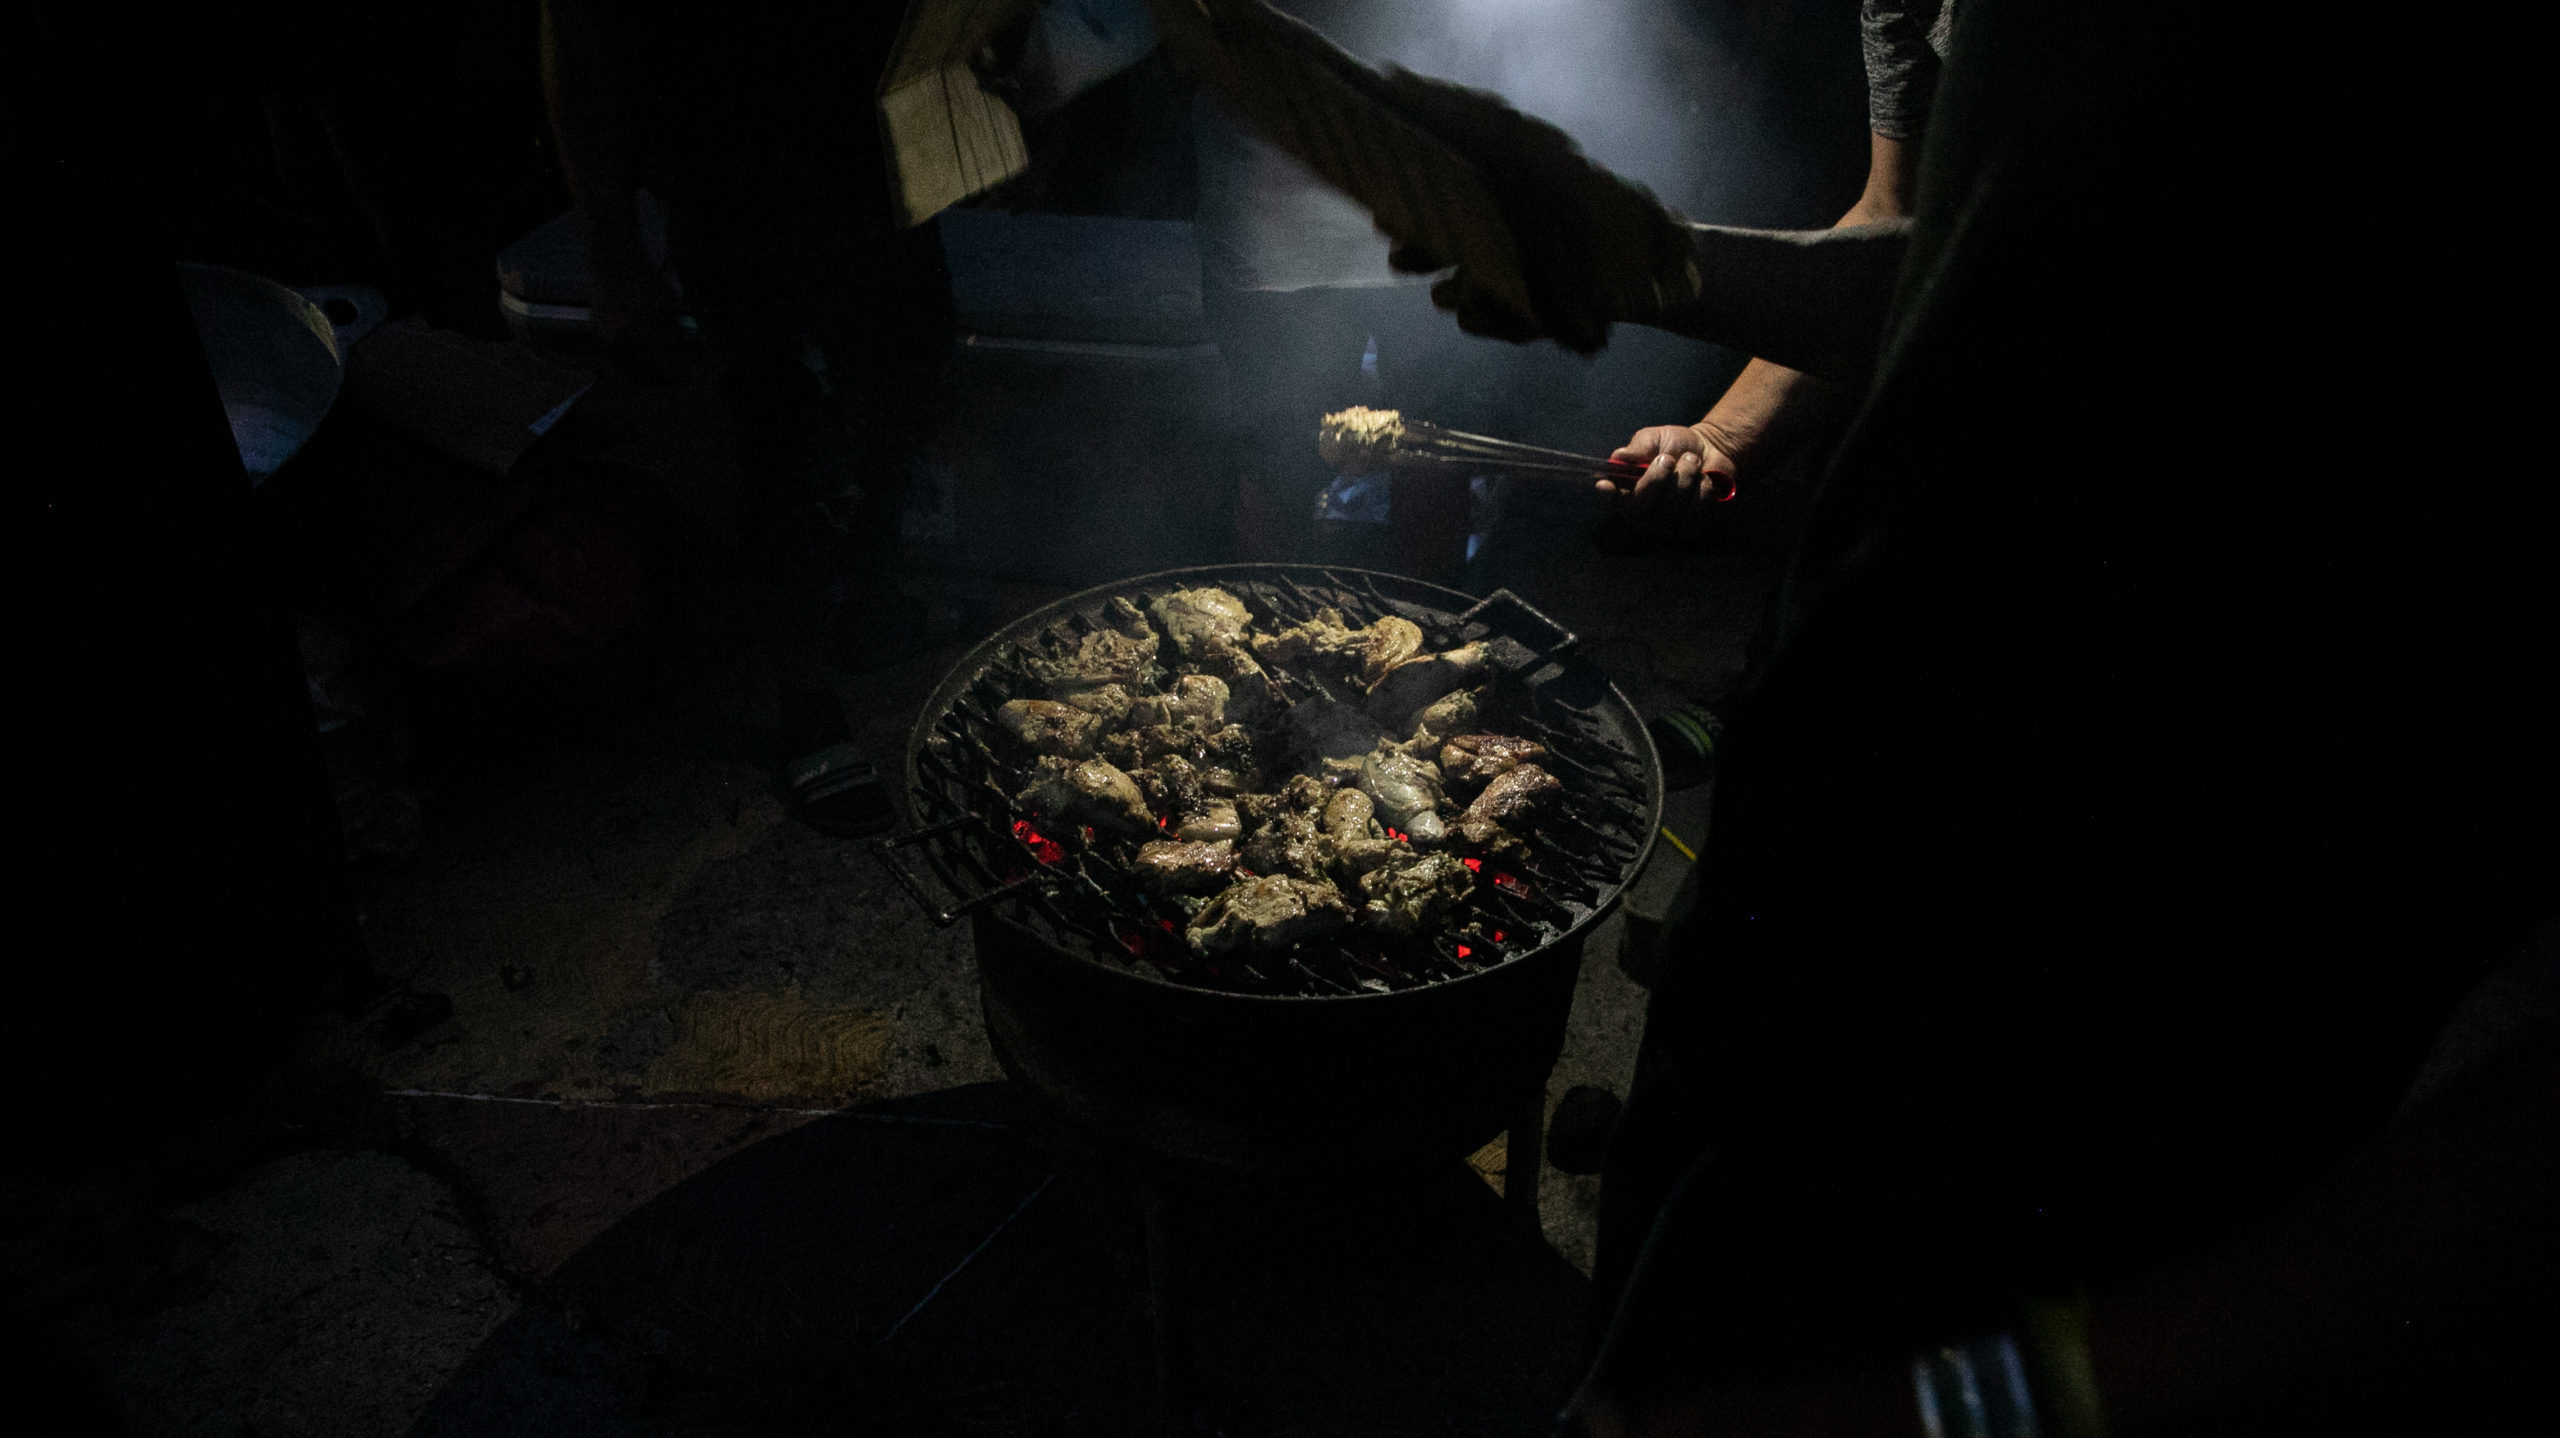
<point>1407,791</point>
<point>1516,799</point>
<point>1171,867</point>
<point>1468,760</point>
<point>1268,914</point>
<point>1415,898</point>
<point>1406,689</point>
<point>1092,792</point>
<point>1050,727</point>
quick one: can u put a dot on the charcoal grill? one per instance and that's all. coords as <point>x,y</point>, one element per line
<point>1350,1066</point>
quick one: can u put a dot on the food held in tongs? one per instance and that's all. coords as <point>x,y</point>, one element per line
<point>1361,440</point>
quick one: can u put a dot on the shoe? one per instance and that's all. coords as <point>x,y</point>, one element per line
<point>1686,737</point>
<point>827,780</point>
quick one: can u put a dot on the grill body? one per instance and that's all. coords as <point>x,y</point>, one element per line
<point>1207,1079</point>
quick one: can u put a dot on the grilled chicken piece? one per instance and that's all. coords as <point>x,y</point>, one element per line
<point>1468,760</point>
<point>1354,843</point>
<point>1169,867</point>
<point>1213,821</point>
<point>1289,843</point>
<point>1195,698</point>
<point>1105,656</point>
<point>1415,898</point>
<point>1450,714</point>
<point>1201,622</point>
<point>1267,915</point>
<point>1407,791</point>
<point>1402,692</point>
<point>1051,727</point>
<point>1107,702</point>
<point>1171,785</point>
<point>1346,816</point>
<point>1092,792</point>
<point>1320,729</point>
<point>1328,644</point>
<point>1516,799</point>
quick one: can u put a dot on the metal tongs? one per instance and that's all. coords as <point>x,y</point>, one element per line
<point>1412,443</point>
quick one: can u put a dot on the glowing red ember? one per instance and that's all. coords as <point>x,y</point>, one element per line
<point>1043,848</point>
<point>1474,866</point>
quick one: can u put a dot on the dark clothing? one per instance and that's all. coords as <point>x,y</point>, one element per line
<point>830,322</point>
<point>2151,759</point>
<point>1904,43</point>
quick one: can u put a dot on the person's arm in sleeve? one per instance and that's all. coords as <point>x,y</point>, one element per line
<point>587,85</point>
<point>2441,1217</point>
<point>1769,407</point>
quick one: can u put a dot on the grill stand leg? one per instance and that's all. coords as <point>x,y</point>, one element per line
<point>1175,1391</point>
<point>1524,1155</point>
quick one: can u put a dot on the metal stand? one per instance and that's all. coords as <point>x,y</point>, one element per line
<point>1176,1390</point>
<point>1524,1155</point>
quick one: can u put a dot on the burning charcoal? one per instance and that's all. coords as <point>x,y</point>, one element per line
<point>1093,792</point>
<point>1472,759</point>
<point>1268,914</point>
<point>1516,799</point>
<point>1050,727</point>
<point>1215,820</point>
<point>1415,898</point>
<point>1186,868</point>
<point>1451,713</point>
<point>1320,729</point>
<point>1407,791</point>
<point>1406,689</point>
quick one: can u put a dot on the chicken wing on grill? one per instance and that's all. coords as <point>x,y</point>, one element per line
<point>1199,699</point>
<point>1050,727</point>
<point>1268,914</point>
<point>1172,867</point>
<point>1092,792</point>
<point>1516,799</point>
<point>1405,690</point>
<point>1331,646</point>
<point>1468,760</point>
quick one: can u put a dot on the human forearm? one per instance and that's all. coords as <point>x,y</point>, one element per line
<point>587,93</point>
<point>1812,300</point>
<point>1769,406</point>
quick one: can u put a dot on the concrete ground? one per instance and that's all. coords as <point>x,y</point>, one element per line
<point>713,1129</point>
